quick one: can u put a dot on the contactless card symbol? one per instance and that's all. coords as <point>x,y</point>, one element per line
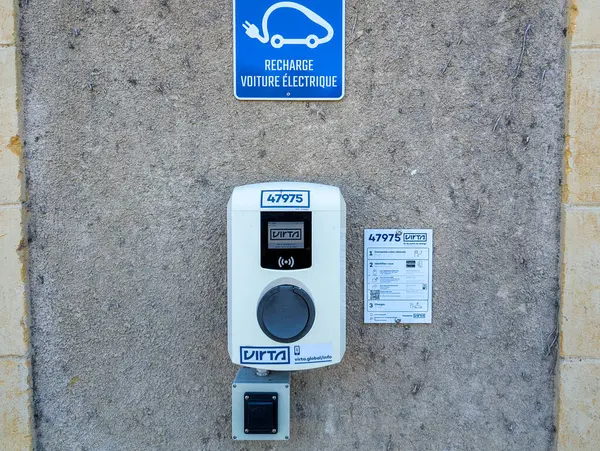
<point>289,262</point>
<point>277,40</point>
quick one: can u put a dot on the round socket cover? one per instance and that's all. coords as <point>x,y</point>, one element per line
<point>286,313</point>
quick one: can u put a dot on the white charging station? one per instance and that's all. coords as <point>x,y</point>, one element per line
<point>286,291</point>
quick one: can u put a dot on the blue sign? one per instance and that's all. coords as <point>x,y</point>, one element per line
<point>288,50</point>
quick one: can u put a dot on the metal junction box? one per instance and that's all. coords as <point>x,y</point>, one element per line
<point>260,405</point>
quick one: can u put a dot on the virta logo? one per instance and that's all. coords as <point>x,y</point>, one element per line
<point>272,355</point>
<point>415,237</point>
<point>286,234</point>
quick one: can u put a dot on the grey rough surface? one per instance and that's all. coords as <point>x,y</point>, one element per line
<point>134,142</point>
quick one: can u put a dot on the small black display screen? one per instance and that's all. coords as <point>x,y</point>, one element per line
<point>286,235</point>
<point>286,240</point>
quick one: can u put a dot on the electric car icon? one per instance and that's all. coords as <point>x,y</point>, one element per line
<point>278,41</point>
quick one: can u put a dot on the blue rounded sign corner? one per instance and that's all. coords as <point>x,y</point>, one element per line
<point>289,50</point>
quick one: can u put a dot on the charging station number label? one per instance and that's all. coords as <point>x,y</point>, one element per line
<point>398,278</point>
<point>284,199</point>
<point>377,237</point>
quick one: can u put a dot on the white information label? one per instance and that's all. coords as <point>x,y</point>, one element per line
<point>398,275</point>
<point>314,353</point>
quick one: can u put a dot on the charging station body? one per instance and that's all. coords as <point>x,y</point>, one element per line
<point>286,274</point>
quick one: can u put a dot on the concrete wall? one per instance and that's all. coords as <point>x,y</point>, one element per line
<point>452,120</point>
